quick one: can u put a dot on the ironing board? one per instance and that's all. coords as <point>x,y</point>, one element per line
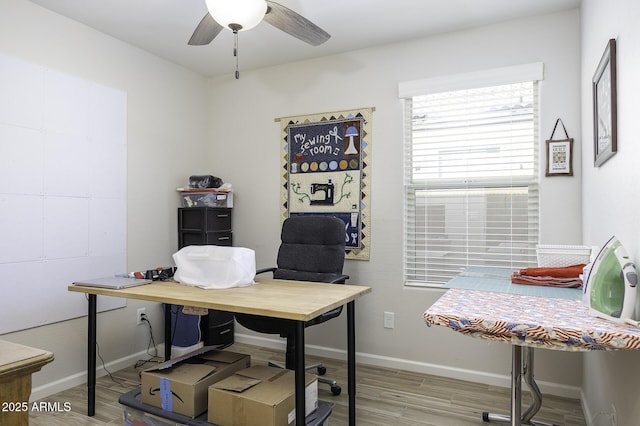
<point>483,303</point>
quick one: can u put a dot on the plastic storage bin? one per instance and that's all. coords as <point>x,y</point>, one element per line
<point>135,410</point>
<point>557,256</point>
<point>133,417</point>
<point>205,198</point>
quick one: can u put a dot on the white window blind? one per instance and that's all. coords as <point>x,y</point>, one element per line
<point>471,191</point>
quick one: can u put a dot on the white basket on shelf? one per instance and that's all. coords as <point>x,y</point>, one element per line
<point>557,256</point>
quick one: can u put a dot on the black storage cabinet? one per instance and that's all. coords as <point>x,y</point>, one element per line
<point>209,226</point>
<point>204,226</point>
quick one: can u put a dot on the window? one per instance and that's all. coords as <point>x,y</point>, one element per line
<point>471,191</point>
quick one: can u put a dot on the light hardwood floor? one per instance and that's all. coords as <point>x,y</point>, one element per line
<point>384,397</point>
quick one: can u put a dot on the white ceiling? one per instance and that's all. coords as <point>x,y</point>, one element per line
<point>163,27</point>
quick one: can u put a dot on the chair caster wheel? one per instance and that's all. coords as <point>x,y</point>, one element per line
<point>336,390</point>
<point>322,371</point>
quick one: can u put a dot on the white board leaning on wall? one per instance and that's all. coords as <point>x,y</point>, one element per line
<point>63,184</point>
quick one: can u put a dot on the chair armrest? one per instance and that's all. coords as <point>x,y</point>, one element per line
<point>263,270</point>
<point>339,280</point>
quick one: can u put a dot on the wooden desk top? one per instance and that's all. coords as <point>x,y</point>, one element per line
<point>296,300</point>
<point>20,359</point>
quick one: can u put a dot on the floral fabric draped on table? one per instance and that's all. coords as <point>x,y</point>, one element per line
<point>551,323</point>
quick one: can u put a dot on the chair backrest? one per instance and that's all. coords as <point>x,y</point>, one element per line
<point>312,248</point>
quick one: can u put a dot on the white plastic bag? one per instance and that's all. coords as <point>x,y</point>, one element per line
<point>215,266</point>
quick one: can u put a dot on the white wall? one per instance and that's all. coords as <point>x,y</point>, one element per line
<point>175,115</point>
<point>246,152</point>
<point>611,197</point>
<point>166,133</point>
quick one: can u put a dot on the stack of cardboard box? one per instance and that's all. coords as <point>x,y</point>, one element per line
<point>225,384</point>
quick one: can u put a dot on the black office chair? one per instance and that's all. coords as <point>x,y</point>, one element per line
<point>312,249</point>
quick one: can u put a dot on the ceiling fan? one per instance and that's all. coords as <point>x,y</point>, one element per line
<point>242,15</point>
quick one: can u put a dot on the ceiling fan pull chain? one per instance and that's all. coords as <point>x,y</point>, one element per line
<point>235,51</point>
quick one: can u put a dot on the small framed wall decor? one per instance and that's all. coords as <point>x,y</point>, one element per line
<point>605,112</point>
<point>559,154</point>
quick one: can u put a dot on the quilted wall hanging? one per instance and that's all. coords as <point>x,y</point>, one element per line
<point>326,171</point>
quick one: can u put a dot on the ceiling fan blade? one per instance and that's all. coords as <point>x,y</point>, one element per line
<point>205,32</point>
<point>294,24</point>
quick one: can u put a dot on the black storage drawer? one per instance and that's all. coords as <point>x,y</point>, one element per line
<point>190,238</point>
<point>204,225</point>
<point>204,219</point>
<point>217,328</point>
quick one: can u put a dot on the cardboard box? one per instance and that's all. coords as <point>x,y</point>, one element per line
<point>180,385</point>
<point>261,396</point>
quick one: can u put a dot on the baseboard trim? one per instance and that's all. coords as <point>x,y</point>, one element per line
<point>589,418</point>
<point>500,380</point>
<point>41,392</point>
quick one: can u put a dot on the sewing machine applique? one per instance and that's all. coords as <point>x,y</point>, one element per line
<point>327,189</point>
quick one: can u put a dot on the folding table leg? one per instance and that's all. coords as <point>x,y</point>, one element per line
<point>522,359</point>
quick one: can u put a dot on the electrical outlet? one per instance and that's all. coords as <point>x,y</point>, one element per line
<point>614,415</point>
<point>142,312</point>
<point>389,319</point>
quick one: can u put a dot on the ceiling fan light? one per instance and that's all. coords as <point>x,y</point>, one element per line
<point>246,13</point>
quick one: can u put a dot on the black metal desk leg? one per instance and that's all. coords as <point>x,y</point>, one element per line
<point>167,332</point>
<point>351,361</point>
<point>91,354</point>
<point>299,374</point>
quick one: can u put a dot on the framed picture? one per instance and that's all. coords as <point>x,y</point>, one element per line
<point>560,157</point>
<point>605,132</point>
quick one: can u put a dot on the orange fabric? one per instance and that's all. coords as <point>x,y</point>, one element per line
<point>566,276</point>
<point>546,281</point>
<point>572,271</point>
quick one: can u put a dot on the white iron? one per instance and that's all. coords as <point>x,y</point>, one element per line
<point>612,283</point>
